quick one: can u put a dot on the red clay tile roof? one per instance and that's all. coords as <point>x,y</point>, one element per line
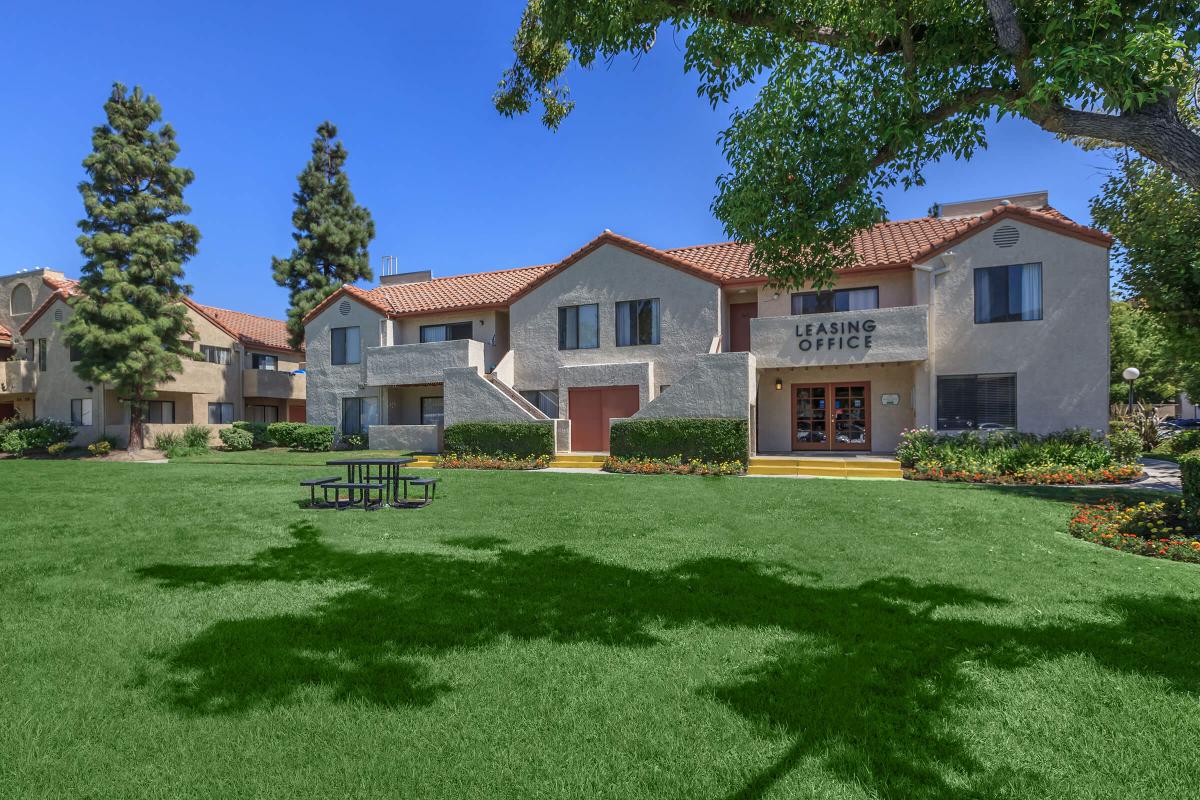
<point>5,334</point>
<point>250,329</point>
<point>62,290</point>
<point>888,245</point>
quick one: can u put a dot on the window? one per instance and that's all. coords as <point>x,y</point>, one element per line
<point>260,361</point>
<point>974,401</point>
<point>20,301</point>
<point>344,345</point>
<point>828,302</point>
<point>220,413</point>
<point>431,411</point>
<point>637,322</point>
<point>161,411</point>
<point>546,401</point>
<point>266,414</point>
<point>578,327</point>
<point>359,413</point>
<point>1008,294</point>
<point>215,355</point>
<point>41,355</point>
<point>75,353</point>
<point>445,333</point>
<point>81,412</point>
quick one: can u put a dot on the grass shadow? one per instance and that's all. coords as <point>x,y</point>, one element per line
<point>869,700</point>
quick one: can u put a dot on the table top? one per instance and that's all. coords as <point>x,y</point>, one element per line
<point>342,462</point>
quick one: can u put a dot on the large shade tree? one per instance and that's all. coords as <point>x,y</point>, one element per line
<point>332,233</point>
<point>129,325</point>
<point>855,96</point>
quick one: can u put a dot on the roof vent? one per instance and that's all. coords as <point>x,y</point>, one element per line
<point>1006,236</point>
<point>344,308</point>
<point>58,315</point>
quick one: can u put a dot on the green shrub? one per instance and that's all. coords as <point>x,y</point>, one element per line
<point>168,442</point>
<point>57,449</point>
<point>1184,442</point>
<point>1008,454</point>
<point>705,440</point>
<point>1125,443</point>
<point>101,447</point>
<point>915,445</point>
<point>258,430</point>
<point>19,436</point>
<point>516,439</point>
<point>236,439</point>
<point>1189,473</point>
<point>195,437</point>
<point>314,438</point>
<point>283,433</point>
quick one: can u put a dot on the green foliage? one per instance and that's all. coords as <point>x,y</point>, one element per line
<point>168,442</point>
<point>258,430</point>
<point>1189,473</point>
<point>1155,219</point>
<point>20,436</point>
<point>521,440</point>
<point>313,438</point>
<point>1125,443</point>
<point>356,441</point>
<point>1184,442</point>
<point>283,433</point>
<point>854,98</point>
<point>57,449</point>
<point>129,324</point>
<point>101,447</point>
<point>196,437</point>
<point>1142,419</point>
<point>332,233</point>
<point>705,440</point>
<point>1004,453</point>
<point>236,439</point>
<point>1137,340</point>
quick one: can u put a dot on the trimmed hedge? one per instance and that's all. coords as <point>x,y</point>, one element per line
<point>1184,442</point>
<point>283,433</point>
<point>258,430</point>
<point>708,440</point>
<point>236,438</point>
<point>314,438</point>
<point>518,439</point>
<point>1189,473</point>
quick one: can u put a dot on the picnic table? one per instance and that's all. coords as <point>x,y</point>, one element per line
<point>385,471</point>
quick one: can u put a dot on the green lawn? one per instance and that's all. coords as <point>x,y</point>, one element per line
<point>187,630</point>
<point>272,456</point>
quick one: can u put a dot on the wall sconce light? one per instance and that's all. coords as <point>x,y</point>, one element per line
<point>89,390</point>
<point>779,384</point>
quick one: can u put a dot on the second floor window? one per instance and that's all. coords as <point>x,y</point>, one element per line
<point>260,361</point>
<point>215,355</point>
<point>637,322</point>
<point>344,345</point>
<point>1008,294</point>
<point>445,333</point>
<point>161,411</point>
<point>578,327</point>
<point>827,302</point>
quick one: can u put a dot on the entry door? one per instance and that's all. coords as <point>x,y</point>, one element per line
<point>591,411</point>
<point>296,412</point>
<point>740,315</point>
<point>831,416</point>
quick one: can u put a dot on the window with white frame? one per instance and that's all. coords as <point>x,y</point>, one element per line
<point>81,412</point>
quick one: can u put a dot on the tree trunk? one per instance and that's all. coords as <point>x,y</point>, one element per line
<point>137,438</point>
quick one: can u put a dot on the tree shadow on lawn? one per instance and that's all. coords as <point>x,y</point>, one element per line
<point>867,685</point>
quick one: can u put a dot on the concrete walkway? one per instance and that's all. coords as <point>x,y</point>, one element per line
<point>1161,476</point>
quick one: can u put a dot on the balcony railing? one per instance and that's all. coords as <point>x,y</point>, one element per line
<point>846,337</point>
<point>273,384</point>
<point>402,364</point>
<point>18,377</point>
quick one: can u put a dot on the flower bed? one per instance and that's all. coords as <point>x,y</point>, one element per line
<point>460,461</point>
<point>1073,457</point>
<point>672,466</point>
<point>1157,529</point>
<point>1045,476</point>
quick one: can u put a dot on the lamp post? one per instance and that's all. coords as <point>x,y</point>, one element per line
<point>1131,374</point>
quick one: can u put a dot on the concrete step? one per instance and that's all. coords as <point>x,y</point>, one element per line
<point>825,467</point>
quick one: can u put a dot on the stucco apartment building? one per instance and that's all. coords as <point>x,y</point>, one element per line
<point>245,368</point>
<point>993,313</point>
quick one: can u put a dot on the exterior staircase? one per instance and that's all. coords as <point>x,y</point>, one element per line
<point>512,394</point>
<point>825,467</point>
<point>578,460</point>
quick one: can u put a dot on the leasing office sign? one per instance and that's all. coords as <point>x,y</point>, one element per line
<point>872,336</point>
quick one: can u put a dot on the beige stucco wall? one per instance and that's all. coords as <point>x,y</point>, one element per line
<point>895,289</point>
<point>775,424</point>
<point>690,310</point>
<point>486,326</point>
<point>1061,361</point>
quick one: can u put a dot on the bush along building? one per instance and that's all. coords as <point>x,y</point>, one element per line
<point>244,368</point>
<point>991,314</point>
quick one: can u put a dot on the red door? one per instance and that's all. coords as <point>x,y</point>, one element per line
<point>7,411</point>
<point>740,315</point>
<point>592,410</point>
<point>296,412</point>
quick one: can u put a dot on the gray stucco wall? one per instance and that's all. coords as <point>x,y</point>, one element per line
<point>720,386</point>
<point>419,363</point>
<point>1061,361</point>
<point>470,397</point>
<point>414,438</point>
<point>329,384</point>
<point>640,374</point>
<point>690,309</point>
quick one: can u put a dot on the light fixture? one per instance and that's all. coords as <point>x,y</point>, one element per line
<point>779,384</point>
<point>1131,374</point>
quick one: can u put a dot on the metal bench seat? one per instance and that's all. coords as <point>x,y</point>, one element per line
<point>313,483</point>
<point>364,490</point>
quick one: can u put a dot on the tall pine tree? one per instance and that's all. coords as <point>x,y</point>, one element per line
<point>129,322</point>
<point>332,233</point>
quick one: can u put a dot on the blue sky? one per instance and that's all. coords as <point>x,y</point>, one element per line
<point>453,186</point>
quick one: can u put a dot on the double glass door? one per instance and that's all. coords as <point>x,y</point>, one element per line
<point>832,416</point>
